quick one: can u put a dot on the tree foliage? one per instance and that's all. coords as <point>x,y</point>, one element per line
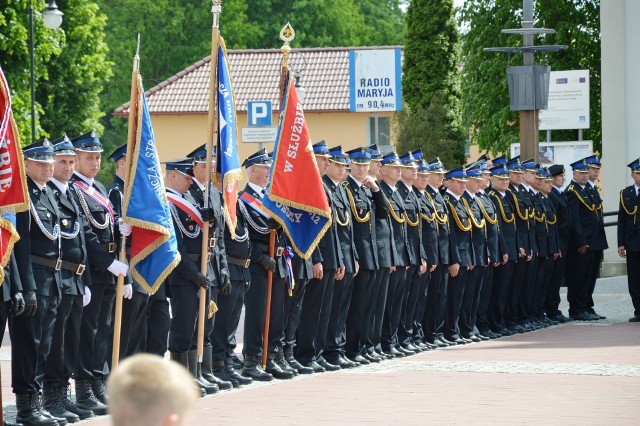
<point>430,80</point>
<point>485,97</point>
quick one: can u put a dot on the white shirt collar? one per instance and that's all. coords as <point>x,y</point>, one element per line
<point>406,186</point>
<point>89,181</point>
<point>636,187</point>
<point>473,196</point>
<point>593,184</point>
<point>62,186</point>
<point>257,189</point>
<point>453,195</point>
<point>174,191</point>
<point>356,181</point>
<point>200,185</point>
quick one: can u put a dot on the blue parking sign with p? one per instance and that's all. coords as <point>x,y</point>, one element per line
<point>259,113</point>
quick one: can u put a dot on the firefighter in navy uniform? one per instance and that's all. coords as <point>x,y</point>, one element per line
<point>218,255</point>
<point>336,333</point>
<point>77,241</point>
<point>135,296</point>
<point>600,244</point>
<point>629,236</point>
<point>587,236</point>
<point>435,313</point>
<point>461,252</point>
<point>186,280</point>
<point>38,256</point>
<point>367,203</point>
<point>97,317</point>
<point>258,165</point>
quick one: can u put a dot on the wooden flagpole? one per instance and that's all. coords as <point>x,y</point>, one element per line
<point>287,34</point>
<point>216,9</point>
<point>122,256</point>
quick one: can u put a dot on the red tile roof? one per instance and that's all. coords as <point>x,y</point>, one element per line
<point>256,73</point>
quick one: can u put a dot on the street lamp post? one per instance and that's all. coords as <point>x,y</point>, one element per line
<point>52,18</point>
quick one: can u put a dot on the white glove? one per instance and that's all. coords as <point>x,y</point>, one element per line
<point>125,228</point>
<point>128,291</point>
<point>86,299</point>
<point>118,268</point>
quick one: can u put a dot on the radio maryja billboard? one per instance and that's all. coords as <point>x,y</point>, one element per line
<point>375,81</point>
<point>568,101</point>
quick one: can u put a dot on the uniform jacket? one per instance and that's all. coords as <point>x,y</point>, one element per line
<point>492,227</point>
<point>12,283</point>
<point>329,244</point>
<point>478,231</point>
<point>522,209</point>
<point>344,220</point>
<point>238,248</point>
<point>398,221</point>
<point>509,243</point>
<point>563,215</point>
<point>429,226</point>
<point>442,220</point>
<point>36,226</point>
<point>461,249</point>
<point>413,220</point>
<point>586,225</point>
<point>366,206</point>
<point>629,219</point>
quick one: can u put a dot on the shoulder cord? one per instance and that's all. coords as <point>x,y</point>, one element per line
<point>71,235</point>
<point>346,220</point>
<point>176,218</point>
<point>633,213</point>
<point>87,212</point>
<point>254,225</point>
<point>591,208</point>
<point>505,219</point>
<point>399,219</point>
<point>56,229</point>
<point>440,219</point>
<point>352,202</point>
<point>472,217</point>
<point>515,200</point>
<point>465,228</point>
<point>488,219</point>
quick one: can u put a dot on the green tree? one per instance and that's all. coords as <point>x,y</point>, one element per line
<point>15,62</point>
<point>384,20</point>
<point>429,128</point>
<point>70,96</point>
<point>485,97</point>
<point>430,71</point>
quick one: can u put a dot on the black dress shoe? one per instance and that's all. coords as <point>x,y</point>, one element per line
<point>253,370</point>
<point>405,350</point>
<point>411,347</point>
<point>360,360</point>
<point>582,316</point>
<point>301,369</point>
<point>597,315</point>
<point>459,341</point>
<point>634,319</point>
<point>384,355</point>
<point>344,363</point>
<point>473,338</point>
<point>238,364</point>
<point>491,335</point>
<point>483,337</point>
<point>440,343</point>
<point>276,371</point>
<point>327,366</point>
<point>422,346</point>
<point>317,368</point>
<point>394,352</point>
<point>371,358</point>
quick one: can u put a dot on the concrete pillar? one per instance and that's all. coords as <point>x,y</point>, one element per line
<point>620,34</point>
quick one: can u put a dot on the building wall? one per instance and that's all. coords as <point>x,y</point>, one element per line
<point>177,135</point>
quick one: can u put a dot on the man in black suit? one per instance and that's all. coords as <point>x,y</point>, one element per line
<point>601,242</point>
<point>92,362</point>
<point>461,251</point>
<point>509,247</point>
<point>413,289</point>
<point>257,166</point>
<point>37,255</point>
<point>435,313</point>
<point>186,280</point>
<point>563,216</point>
<point>334,351</point>
<point>629,236</point>
<point>587,236</point>
<point>218,257</point>
<point>367,203</point>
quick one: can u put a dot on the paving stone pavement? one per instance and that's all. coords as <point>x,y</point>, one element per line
<point>580,373</point>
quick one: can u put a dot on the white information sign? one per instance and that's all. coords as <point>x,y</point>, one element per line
<point>375,81</point>
<point>259,134</point>
<point>568,101</point>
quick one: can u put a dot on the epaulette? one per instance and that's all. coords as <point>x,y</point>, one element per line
<point>570,187</point>
<point>345,184</point>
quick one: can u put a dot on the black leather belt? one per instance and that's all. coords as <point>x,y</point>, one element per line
<point>265,249</point>
<point>78,268</point>
<point>240,262</point>
<point>197,256</point>
<point>110,247</point>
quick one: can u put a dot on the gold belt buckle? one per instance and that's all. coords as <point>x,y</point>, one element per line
<point>279,251</point>
<point>212,242</point>
<point>111,247</point>
<point>58,264</point>
<point>80,269</point>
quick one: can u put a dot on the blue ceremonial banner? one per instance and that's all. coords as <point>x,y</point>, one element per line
<point>227,163</point>
<point>295,194</point>
<point>154,250</point>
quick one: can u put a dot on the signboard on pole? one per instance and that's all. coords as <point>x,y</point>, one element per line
<point>375,81</point>
<point>259,134</point>
<point>259,113</point>
<point>568,101</point>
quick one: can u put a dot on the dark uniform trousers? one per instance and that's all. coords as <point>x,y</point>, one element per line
<point>552,298</point>
<point>226,322</point>
<point>629,238</point>
<point>10,286</point>
<point>337,329</point>
<point>381,284</point>
<point>500,290</point>
<point>292,311</point>
<point>470,301</point>
<point>31,336</point>
<point>421,306</point>
<point>455,296</point>
<point>393,310</point>
<point>314,318</point>
<point>157,321</point>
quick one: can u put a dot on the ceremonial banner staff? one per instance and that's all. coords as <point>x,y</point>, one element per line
<point>216,9</point>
